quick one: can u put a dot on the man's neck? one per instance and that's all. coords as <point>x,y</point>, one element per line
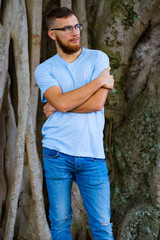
<point>69,57</point>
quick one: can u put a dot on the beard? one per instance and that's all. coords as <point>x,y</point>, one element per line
<point>66,48</point>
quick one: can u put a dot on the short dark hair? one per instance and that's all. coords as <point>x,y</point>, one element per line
<point>60,12</point>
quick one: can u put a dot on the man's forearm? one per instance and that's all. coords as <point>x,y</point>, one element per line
<point>68,101</point>
<point>94,103</point>
<point>65,102</point>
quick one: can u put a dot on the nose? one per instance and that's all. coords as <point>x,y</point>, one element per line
<point>75,32</point>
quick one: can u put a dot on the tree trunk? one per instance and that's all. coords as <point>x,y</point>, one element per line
<point>14,26</point>
<point>66,3</point>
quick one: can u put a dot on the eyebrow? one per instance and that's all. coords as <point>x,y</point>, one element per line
<point>70,25</point>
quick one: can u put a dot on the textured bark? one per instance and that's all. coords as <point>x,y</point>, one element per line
<point>129,34</point>
<point>35,168</point>
<point>66,3</point>
<point>79,7</point>
<point>15,26</point>
<point>23,93</point>
<point>36,182</point>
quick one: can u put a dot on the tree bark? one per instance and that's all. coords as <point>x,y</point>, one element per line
<point>20,41</point>
<point>66,3</point>
<point>35,168</point>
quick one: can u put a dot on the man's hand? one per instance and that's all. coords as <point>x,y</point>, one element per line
<point>107,78</point>
<point>48,109</point>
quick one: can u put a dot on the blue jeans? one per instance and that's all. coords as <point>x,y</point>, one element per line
<point>91,176</point>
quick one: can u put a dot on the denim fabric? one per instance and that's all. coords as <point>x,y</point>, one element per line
<point>91,176</point>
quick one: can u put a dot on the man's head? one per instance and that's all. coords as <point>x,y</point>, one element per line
<point>64,28</point>
<point>61,12</point>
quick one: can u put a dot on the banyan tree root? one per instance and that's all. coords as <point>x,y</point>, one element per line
<point>20,41</point>
<point>15,27</point>
<point>36,182</point>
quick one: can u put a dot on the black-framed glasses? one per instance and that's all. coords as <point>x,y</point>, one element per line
<point>69,29</point>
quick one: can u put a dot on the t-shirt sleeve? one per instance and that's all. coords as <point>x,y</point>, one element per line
<point>101,63</point>
<point>45,79</point>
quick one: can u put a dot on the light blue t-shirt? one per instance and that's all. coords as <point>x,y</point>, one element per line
<point>77,134</point>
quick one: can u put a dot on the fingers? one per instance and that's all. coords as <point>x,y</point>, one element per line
<point>107,69</point>
<point>48,109</point>
<point>45,106</point>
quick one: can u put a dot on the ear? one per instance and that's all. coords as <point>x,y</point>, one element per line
<point>52,34</point>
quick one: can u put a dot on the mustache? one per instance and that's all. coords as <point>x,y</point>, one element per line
<point>75,38</point>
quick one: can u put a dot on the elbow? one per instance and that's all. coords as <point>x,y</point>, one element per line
<point>62,108</point>
<point>99,107</point>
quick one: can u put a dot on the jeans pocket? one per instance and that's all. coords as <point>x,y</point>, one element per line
<point>100,160</point>
<point>49,153</point>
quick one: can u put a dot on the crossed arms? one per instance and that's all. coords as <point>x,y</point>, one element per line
<point>89,98</point>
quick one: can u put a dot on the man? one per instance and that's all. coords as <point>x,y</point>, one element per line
<point>75,84</point>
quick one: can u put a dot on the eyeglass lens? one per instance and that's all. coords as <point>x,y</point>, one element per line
<point>69,29</point>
